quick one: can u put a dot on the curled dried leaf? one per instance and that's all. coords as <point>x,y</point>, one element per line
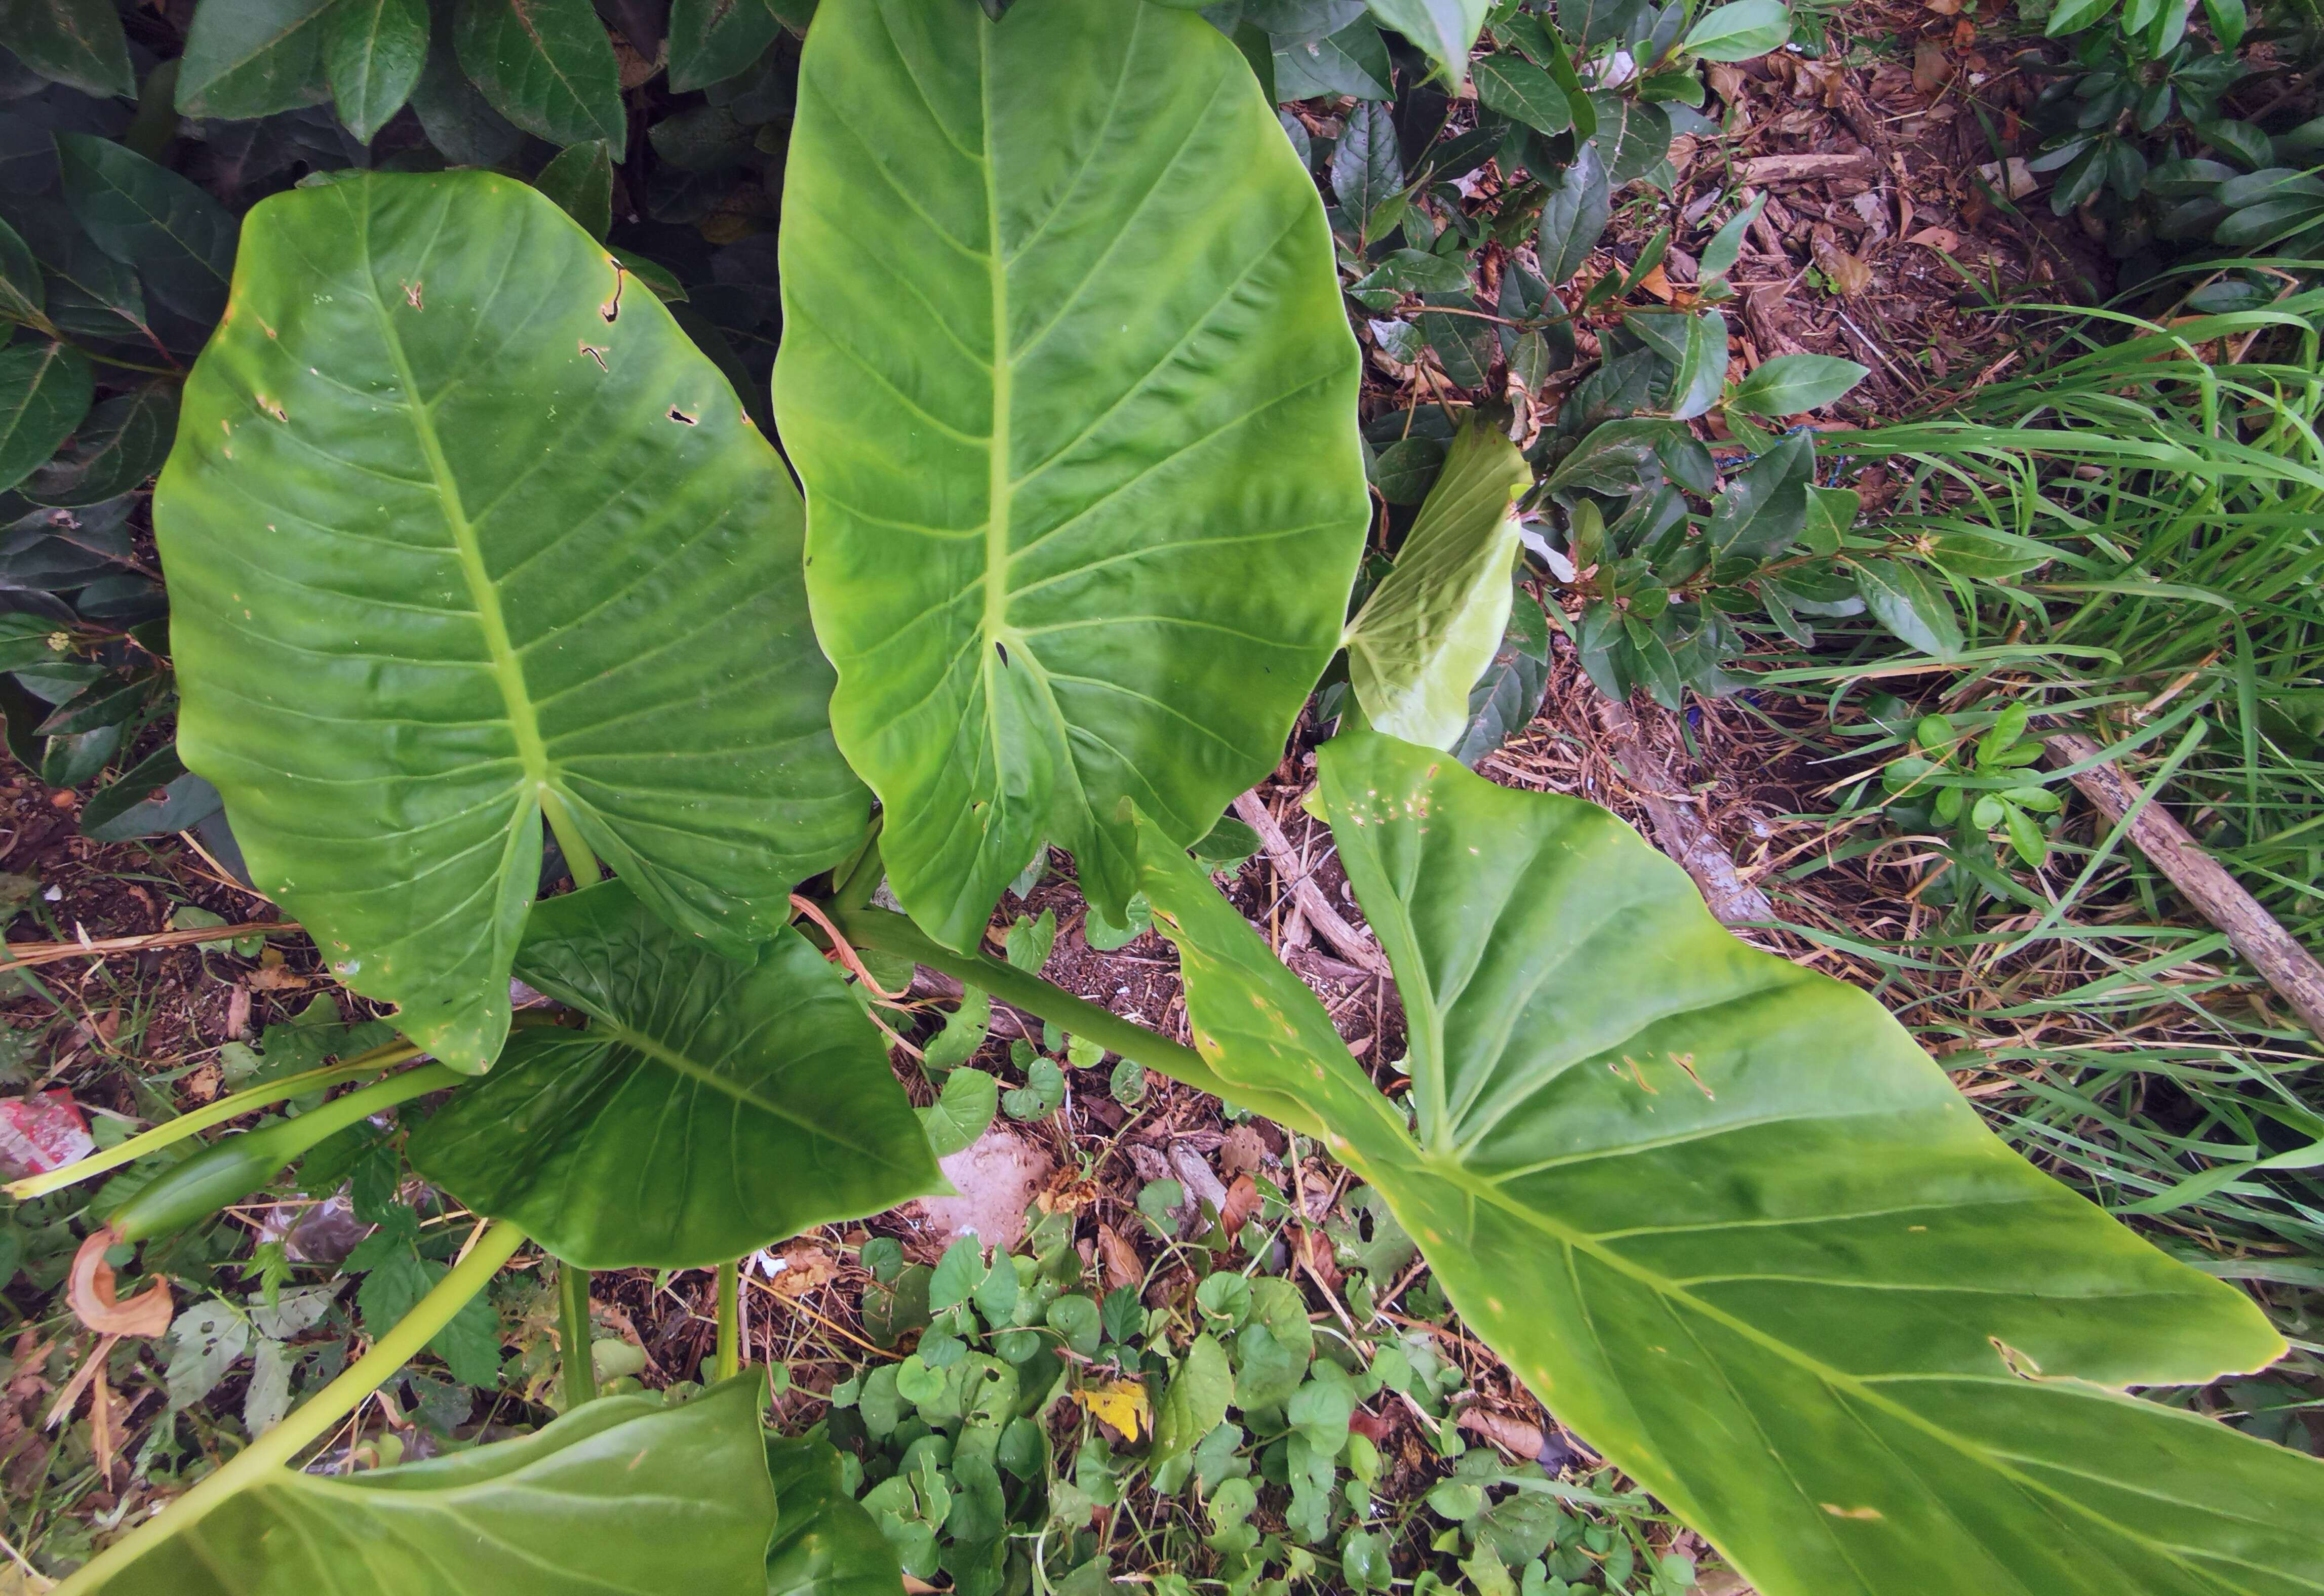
<point>90,1293</point>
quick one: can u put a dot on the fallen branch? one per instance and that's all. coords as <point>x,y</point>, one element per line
<point>2254,933</point>
<point>1678,831</point>
<point>1359,949</point>
<point>20,954</point>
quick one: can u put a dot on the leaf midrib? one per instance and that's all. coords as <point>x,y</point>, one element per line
<point>507,670</point>
<point>702,1074</point>
<point>1477,1189</point>
<point>1000,493</point>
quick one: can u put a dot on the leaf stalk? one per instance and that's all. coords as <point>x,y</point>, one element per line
<point>573,1335</point>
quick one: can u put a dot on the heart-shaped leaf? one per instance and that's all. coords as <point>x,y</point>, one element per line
<point>1743,1232</point>
<point>1430,628</point>
<point>1065,374</point>
<point>561,1511</point>
<point>448,542</point>
<point>707,1110</point>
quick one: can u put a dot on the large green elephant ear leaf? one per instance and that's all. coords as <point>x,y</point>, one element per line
<point>1739,1233</point>
<point>1065,374</point>
<point>825,1543</point>
<point>622,1495</point>
<point>459,525</point>
<point>709,1108</point>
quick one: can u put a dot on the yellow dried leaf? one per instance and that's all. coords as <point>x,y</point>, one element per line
<point>1121,1403</point>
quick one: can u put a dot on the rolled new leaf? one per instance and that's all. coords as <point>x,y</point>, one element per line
<point>708,1109</point>
<point>1065,374</point>
<point>1430,628</point>
<point>622,1495</point>
<point>459,525</point>
<point>1739,1232</point>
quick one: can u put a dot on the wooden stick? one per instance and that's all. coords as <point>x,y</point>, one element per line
<point>1359,949</point>
<point>2254,933</point>
<point>1680,832</point>
<point>20,954</point>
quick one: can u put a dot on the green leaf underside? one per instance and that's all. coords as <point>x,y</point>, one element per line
<point>1111,562</point>
<point>424,555</point>
<point>1444,30</point>
<point>1782,1274</point>
<point>1430,628</point>
<point>622,1498</point>
<point>708,1109</point>
<point>825,1543</point>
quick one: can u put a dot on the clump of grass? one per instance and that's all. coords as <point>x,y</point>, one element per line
<point>2170,478</point>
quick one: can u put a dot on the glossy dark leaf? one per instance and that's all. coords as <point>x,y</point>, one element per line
<point>155,797</point>
<point>1508,695</point>
<point>78,42</point>
<point>44,393</point>
<point>711,41</point>
<point>546,65</point>
<point>1523,92</point>
<point>581,181</point>
<point>373,51</point>
<point>180,240</point>
<point>120,443</point>
<point>22,297</point>
<point>419,592</point>
<point>457,119</point>
<point>253,58</point>
<point>622,1495</point>
<point>1574,215</point>
<point>1702,370</point>
<point>1909,602</point>
<point>1790,385</point>
<point>708,1109</point>
<point>1633,136</point>
<point>1367,170</point>
<point>1764,504</point>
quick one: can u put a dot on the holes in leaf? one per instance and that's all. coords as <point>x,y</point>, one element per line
<point>676,414</point>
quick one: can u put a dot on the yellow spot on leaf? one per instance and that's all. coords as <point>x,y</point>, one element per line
<point>1839,1512</point>
<point>1121,1403</point>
